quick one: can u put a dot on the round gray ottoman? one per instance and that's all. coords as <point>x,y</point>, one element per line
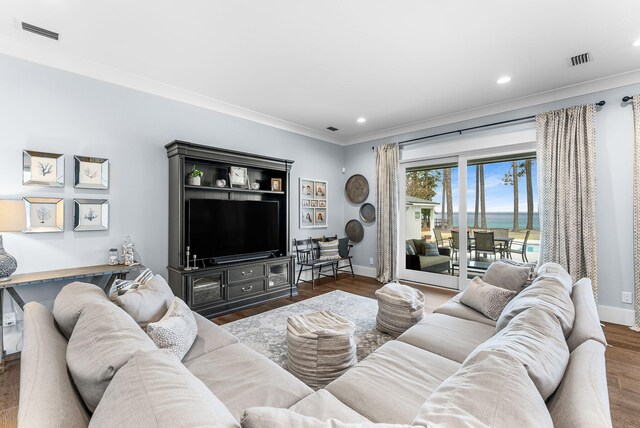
<point>321,346</point>
<point>399,307</point>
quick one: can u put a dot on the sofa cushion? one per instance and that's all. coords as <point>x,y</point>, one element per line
<point>269,417</point>
<point>450,337</point>
<point>392,383</point>
<point>323,405</point>
<point>485,298</point>
<point>210,337</point>
<point>71,300</point>
<point>418,244</point>
<point>176,331</point>
<point>583,387</point>
<point>243,378</point>
<point>147,303</point>
<point>454,308</point>
<point>155,390</point>
<point>534,337</point>
<point>547,293</point>
<point>587,322</point>
<point>491,389</point>
<point>104,340</point>
<point>47,395</point>
<point>507,275</point>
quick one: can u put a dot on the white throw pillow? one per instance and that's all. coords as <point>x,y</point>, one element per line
<point>176,331</point>
<point>486,298</point>
<point>147,303</point>
<point>328,250</point>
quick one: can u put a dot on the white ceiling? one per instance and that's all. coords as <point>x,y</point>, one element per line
<point>304,66</point>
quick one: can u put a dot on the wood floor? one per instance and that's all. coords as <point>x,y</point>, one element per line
<point>623,353</point>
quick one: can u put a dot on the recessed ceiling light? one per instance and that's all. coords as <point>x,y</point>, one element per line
<point>503,80</point>
<point>361,120</point>
<point>636,43</point>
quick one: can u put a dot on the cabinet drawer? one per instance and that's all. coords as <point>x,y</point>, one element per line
<point>247,288</point>
<point>246,272</point>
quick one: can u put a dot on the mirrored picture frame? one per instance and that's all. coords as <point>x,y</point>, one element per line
<point>90,214</point>
<point>91,173</point>
<point>44,215</point>
<point>42,169</point>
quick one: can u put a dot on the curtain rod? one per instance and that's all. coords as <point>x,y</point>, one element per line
<point>460,131</point>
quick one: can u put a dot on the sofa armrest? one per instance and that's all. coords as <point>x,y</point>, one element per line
<point>412,262</point>
<point>444,251</point>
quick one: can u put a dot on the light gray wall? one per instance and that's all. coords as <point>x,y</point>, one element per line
<point>614,151</point>
<point>54,111</point>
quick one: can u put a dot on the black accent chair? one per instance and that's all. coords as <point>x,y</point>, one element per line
<point>344,248</point>
<point>307,258</point>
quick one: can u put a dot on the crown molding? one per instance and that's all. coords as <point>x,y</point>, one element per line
<point>53,57</point>
<point>579,89</point>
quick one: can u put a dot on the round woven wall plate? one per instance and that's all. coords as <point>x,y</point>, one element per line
<point>357,189</point>
<point>354,230</point>
<point>368,213</point>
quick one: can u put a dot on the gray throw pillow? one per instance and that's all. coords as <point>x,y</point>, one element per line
<point>176,331</point>
<point>486,298</point>
<point>507,276</point>
<point>410,250</point>
<point>431,249</point>
<point>147,303</point>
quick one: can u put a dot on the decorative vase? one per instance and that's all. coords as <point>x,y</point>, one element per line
<point>193,181</point>
<point>8,263</point>
<point>221,182</point>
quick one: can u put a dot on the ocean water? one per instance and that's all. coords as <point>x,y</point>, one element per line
<point>499,220</point>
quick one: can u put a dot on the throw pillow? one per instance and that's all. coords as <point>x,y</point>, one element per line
<point>410,250</point>
<point>70,302</point>
<point>507,276</point>
<point>535,338</point>
<point>431,249</point>
<point>121,286</point>
<point>486,298</point>
<point>328,250</point>
<point>155,390</point>
<point>104,340</point>
<point>147,303</point>
<point>419,246</point>
<point>176,331</point>
<point>261,417</point>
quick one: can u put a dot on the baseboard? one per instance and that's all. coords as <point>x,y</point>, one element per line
<point>364,271</point>
<point>616,315</point>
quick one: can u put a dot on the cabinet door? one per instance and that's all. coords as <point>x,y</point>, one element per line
<point>206,288</point>
<point>278,274</point>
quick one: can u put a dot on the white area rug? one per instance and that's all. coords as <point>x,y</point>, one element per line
<point>266,333</point>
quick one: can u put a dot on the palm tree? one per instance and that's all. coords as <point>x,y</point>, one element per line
<point>483,212</point>
<point>447,185</point>
<point>528,165</point>
<point>475,213</point>
<point>511,179</point>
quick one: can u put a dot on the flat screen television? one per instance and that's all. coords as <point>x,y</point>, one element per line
<point>222,228</point>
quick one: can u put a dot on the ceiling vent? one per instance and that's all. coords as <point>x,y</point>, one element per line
<point>581,59</point>
<point>40,31</point>
<point>332,128</point>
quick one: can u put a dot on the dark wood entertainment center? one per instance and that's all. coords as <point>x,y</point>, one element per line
<point>219,288</point>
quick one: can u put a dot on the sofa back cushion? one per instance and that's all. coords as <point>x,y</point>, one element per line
<point>545,292</point>
<point>147,303</point>
<point>587,323</point>
<point>534,337</point>
<point>486,298</point>
<point>557,272</point>
<point>47,394</point>
<point>507,275</point>
<point>491,389</point>
<point>103,340</point>
<point>582,399</point>
<point>155,390</point>
<point>71,300</point>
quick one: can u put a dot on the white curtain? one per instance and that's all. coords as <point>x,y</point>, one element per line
<point>636,210</point>
<point>387,166</point>
<point>567,177</point>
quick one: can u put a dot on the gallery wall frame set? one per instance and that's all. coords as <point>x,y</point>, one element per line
<point>47,169</point>
<point>313,203</point>
<point>46,215</point>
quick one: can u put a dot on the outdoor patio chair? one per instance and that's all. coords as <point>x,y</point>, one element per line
<point>455,243</point>
<point>439,240</point>
<point>485,243</point>
<point>519,247</point>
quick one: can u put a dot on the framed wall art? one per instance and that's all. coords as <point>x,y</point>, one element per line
<point>91,173</point>
<point>90,214</point>
<point>42,169</point>
<point>44,215</point>
<point>313,203</point>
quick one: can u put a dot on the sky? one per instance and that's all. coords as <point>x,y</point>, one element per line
<point>498,196</point>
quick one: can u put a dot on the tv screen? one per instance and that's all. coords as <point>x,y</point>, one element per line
<point>221,227</point>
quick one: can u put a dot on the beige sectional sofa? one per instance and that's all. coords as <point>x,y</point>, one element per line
<point>452,369</point>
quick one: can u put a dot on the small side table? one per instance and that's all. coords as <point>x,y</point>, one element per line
<point>115,272</point>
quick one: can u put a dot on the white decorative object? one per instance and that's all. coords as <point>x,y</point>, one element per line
<point>127,252</point>
<point>194,181</point>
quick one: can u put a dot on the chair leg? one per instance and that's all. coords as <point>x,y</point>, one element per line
<point>334,268</point>
<point>524,256</point>
<point>299,274</point>
<point>351,266</point>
